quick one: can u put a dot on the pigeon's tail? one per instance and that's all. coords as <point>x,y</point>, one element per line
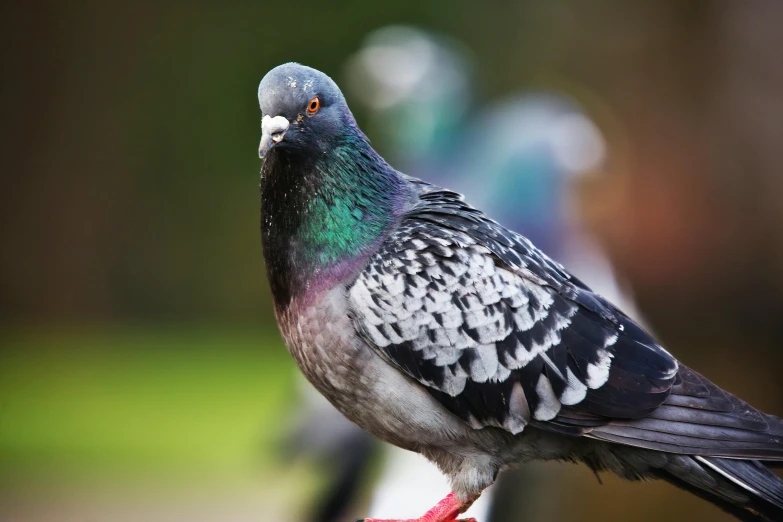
<point>716,446</point>
<point>745,488</point>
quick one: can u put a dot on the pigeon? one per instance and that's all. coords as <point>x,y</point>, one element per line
<point>438,330</point>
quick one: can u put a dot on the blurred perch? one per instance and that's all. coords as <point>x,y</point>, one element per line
<point>336,444</point>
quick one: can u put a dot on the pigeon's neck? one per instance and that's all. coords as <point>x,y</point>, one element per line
<point>322,216</point>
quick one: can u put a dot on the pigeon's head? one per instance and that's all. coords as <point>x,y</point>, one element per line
<point>300,108</point>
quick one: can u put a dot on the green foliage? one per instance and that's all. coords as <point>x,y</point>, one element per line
<point>125,402</point>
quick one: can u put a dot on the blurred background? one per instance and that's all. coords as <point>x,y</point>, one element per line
<point>141,373</point>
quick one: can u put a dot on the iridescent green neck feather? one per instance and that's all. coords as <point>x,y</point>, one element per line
<point>324,212</point>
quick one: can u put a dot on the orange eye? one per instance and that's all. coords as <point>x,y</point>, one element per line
<point>314,105</point>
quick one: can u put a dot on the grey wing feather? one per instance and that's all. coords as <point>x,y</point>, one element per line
<point>493,343</point>
<point>503,336</point>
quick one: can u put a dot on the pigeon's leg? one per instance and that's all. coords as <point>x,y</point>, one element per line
<point>445,511</point>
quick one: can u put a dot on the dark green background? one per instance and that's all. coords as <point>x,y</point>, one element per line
<point>137,334</point>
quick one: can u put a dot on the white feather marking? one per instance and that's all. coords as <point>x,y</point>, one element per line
<point>394,284</point>
<point>363,301</point>
<point>449,280</point>
<point>498,282</point>
<point>377,337</point>
<point>441,297</point>
<point>454,385</point>
<point>458,269</point>
<point>428,259</point>
<point>471,302</point>
<point>513,362</point>
<point>371,281</point>
<point>439,338</point>
<point>549,363</point>
<point>422,318</point>
<point>513,296</point>
<point>391,335</point>
<point>417,292</point>
<point>576,390</point>
<point>423,343</point>
<point>523,320</point>
<point>409,330</point>
<point>477,259</point>
<point>430,306</point>
<point>561,321</point>
<point>485,365</point>
<point>476,318</point>
<point>518,410</point>
<point>462,256</point>
<point>502,374</point>
<point>488,266</point>
<point>445,252</point>
<point>457,371</point>
<point>539,292</point>
<point>434,273</point>
<point>459,339</point>
<point>728,476</point>
<point>451,318</point>
<point>372,317</point>
<point>492,333</point>
<point>551,338</point>
<point>548,405</point>
<point>489,296</point>
<point>446,356</point>
<point>523,355</point>
<point>598,373</point>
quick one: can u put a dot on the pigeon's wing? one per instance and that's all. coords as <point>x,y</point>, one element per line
<point>495,345</point>
<point>503,336</point>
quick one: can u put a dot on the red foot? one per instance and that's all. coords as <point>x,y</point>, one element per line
<point>412,520</point>
<point>445,511</point>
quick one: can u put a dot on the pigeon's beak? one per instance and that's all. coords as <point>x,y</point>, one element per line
<point>272,132</point>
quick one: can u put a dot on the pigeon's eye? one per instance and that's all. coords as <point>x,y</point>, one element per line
<point>314,105</point>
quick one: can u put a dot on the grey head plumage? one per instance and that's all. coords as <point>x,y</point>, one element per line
<point>285,95</point>
<point>327,196</point>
